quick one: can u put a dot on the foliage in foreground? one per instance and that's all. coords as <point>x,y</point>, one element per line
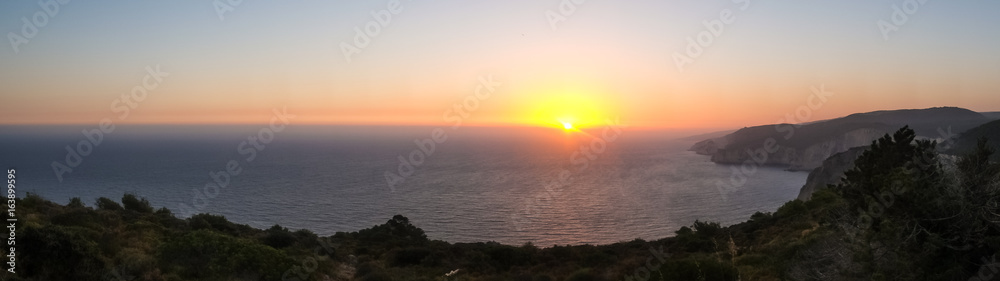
<point>900,214</point>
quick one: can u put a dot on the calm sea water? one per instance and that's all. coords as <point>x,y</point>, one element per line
<point>481,184</point>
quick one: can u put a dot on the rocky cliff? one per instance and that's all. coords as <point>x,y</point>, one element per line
<point>709,146</point>
<point>799,158</point>
<point>804,147</point>
<point>831,172</point>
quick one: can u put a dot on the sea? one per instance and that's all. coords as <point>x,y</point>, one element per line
<point>547,186</point>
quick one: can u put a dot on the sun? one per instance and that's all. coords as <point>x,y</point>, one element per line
<point>568,106</point>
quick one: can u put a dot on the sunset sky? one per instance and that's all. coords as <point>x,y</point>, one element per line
<point>607,59</point>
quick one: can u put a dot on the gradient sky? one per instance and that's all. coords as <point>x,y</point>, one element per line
<point>609,59</point>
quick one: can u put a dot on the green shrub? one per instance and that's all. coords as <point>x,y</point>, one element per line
<point>692,241</point>
<point>791,209</point>
<point>365,268</point>
<point>396,232</point>
<point>83,218</point>
<point>204,254</point>
<point>583,275</point>
<point>410,256</point>
<point>760,217</point>
<point>218,223</point>
<point>104,203</point>
<point>279,237</point>
<point>59,253</point>
<point>75,202</point>
<point>133,203</point>
<point>698,269</point>
<point>707,229</point>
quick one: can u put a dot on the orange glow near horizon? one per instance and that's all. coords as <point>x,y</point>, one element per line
<point>618,62</point>
<point>565,103</point>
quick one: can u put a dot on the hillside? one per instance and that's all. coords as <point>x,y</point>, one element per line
<point>805,146</point>
<point>926,122</point>
<point>995,115</point>
<point>967,140</point>
<point>132,241</point>
<point>831,172</point>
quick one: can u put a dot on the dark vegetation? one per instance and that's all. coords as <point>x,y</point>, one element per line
<point>898,215</point>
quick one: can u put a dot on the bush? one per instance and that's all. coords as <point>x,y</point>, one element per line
<point>218,223</point>
<point>59,253</point>
<point>760,217</point>
<point>106,204</point>
<point>583,275</point>
<point>133,203</point>
<point>707,229</point>
<point>366,268</point>
<point>698,269</point>
<point>791,209</point>
<point>396,232</point>
<point>410,256</point>
<point>204,254</point>
<point>133,262</point>
<point>700,238</point>
<point>164,211</point>
<point>75,202</point>
<point>279,237</point>
<point>82,218</point>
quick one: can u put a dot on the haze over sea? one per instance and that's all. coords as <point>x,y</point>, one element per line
<point>481,184</point>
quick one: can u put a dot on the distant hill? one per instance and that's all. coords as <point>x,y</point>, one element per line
<point>991,115</point>
<point>926,122</point>
<point>805,146</point>
<point>967,140</point>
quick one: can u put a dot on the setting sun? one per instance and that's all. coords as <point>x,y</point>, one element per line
<point>568,106</point>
